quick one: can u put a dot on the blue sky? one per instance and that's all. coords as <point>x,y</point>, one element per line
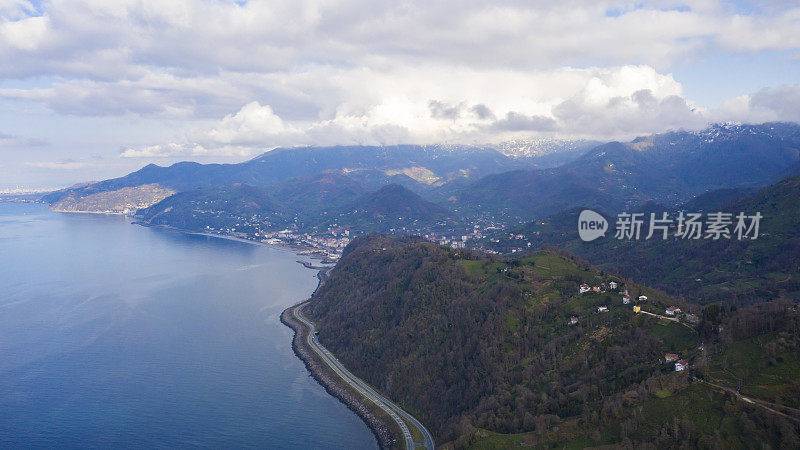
<point>91,89</point>
<point>715,78</point>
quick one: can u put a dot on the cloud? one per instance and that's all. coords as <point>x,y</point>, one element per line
<point>95,40</point>
<point>310,72</point>
<point>253,124</point>
<point>67,164</point>
<point>440,110</point>
<point>11,141</point>
<point>93,50</point>
<point>781,103</point>
<point>470,106</point>
<point>630,114</point>
<point>482,112</point>
<point>514,121</point>
<point>16,9</point>
<point>163,151</point>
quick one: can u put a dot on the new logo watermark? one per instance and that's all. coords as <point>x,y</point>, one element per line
<point>591,225</point>
<point>714,226</point>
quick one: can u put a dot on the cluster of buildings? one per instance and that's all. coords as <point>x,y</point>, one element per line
<point>673,311</point>
<point>457,240</point>
<point>626,299</point>
<point>450,241</point>
<point>680,364</point>
<point>329,246</point>
<point>612,286</point>
<point>601,288</point>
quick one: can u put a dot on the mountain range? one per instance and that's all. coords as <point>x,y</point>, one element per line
<point>668,168</point>
<point>475,182</point>
<point>373,166</point>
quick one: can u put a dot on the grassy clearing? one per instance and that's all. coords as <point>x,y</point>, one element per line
<point>481,268</point>
<point>698,402</point>
<point>772,379</point>
<point>553,266</point>
<point>674,335</point>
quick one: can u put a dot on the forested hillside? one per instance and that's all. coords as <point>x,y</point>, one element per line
<point>483,352</point>
<point>390,207</point>
<point>703,270</point>
<point>668,168</point>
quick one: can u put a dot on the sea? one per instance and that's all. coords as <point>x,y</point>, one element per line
<point>115,335</point>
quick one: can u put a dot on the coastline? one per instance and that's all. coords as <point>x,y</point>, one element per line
<point>299,250</point>
<point>382,427</point>
<point>105,213</point>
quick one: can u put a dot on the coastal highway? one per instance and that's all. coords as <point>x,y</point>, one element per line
<point>394,411</point>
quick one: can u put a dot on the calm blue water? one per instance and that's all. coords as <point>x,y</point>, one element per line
<point>116,335</point>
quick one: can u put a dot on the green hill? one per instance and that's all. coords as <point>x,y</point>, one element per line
<point>319,201</point>
<point>703,271</point>
<point>309,197</point>
<point>234,207</point>
<point>390,207</point>
<point>481,351</point>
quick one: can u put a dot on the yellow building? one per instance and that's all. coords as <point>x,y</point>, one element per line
<point>636,309</point>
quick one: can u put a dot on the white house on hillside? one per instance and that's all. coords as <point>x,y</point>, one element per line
<point>573,320</point>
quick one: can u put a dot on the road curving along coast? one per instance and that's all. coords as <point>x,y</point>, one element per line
<point>389,422</point>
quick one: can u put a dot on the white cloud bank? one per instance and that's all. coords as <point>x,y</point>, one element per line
<point>475,107</point>
<point>311,72</point>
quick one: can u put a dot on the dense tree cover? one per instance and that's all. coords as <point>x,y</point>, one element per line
<point>758,351</point>
<point>324,200</point>
<point>392,206</point>
<point>704,270</point>
<point>470,343</point>
<point>239,206</point>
